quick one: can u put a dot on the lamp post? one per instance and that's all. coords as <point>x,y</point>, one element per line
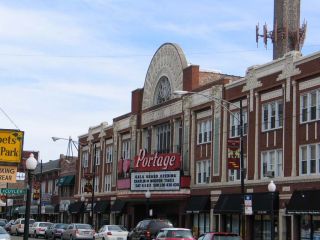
<point>221,102</point>
<point>272,188</point>
<point>147,194</point>
<point>82,199</point>
<point>31,165</point>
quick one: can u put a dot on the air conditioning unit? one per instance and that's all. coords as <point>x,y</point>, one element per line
<point>270,174</point>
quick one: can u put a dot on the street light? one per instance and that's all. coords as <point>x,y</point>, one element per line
<point>147,194</point>
<point>220,101</point>
<point>272,188</point>
<point>31,165</point>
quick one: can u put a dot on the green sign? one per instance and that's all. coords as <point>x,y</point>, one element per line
<point>12,191</point>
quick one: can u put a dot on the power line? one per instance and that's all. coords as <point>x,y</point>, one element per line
<point>4,113</point>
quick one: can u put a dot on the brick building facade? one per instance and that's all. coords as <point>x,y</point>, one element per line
<point>281,112</point>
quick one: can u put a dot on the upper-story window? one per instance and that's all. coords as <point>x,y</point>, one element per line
<point>204,131</point>
<point>235,174</point>
<point>50,186</point>
<point>82,184</point>
<point>109,154</point>
<point>272,115</point>
<point>163,132</point>
<point>96,184</point>
<point>85,157</point>
<point>272,163</point>
<point>162,91</point>
<point>107,183</point>
<point>43,187</point>
<point>235,124</point>
<point>310,159</point>
<point>203,172</point>
<point>310,106</point>
<point>126,149</point>
<point>97,156</point>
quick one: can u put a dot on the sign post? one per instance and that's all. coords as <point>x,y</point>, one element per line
<point>248,205</point>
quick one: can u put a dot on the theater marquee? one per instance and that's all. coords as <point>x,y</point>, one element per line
<point>155,181</point>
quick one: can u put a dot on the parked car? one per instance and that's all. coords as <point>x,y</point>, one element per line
<point>7,227</point>
<point>112,232</point>
<point>219,236</point>
<point>18,226</point>
<point>175,233</point>
<point>78,231</point>
<point>2,223</point>
<point>4,220</point>
<point>38,229</point>
<point>148,229</point>
<point>4,235</point>
<point>55,230</point>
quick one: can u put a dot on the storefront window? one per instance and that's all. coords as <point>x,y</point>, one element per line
<point>316,227</point>
<point>262,227</point>
<point>305,223</point>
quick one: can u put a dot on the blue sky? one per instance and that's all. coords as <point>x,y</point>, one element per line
<point>69,65</point>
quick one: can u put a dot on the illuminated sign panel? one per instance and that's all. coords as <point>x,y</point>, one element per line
<point>11,145</point>
<point>155,181</point>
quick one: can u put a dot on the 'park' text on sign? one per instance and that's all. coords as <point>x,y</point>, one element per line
<point>11,143</point>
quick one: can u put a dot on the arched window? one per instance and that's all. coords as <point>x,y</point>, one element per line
<point>163,90</point>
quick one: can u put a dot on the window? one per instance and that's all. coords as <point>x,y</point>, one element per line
<point>163,90</point>
<point>50,183</point>
<point>97,155</point>
<point>272,163</point>
<point>84,159</point>
<point>310,159</point>
<point>126,149</point>
<point>109,154</point>
<point>235,174</point>
<point>235,124</point>
<point>272,115</point>
<point>96,184</point>
<point>203,172</point>
<point>83,182</point>
<point>310,106</point>
<point>43,187</point>
<point>55,187</point>
<point>204,131</point>
<point>163,132</point>
<point>107,183</point>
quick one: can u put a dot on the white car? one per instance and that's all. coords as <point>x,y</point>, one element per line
<point>112,232</point>
<point>4,235</point>
<point>38,229</point>
<point>18,226</point>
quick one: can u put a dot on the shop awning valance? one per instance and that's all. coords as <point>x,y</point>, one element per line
<point>233,203</point>
<point>34,209</point>
<point>198,204</point>
<point>66,181</point>
<point>304,202</point>
<point>118,206</point>
<point>48,209</point>
<point>76,207</point>
<point>102,207</point>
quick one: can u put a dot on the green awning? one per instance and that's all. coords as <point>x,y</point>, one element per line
<point>66,181</point>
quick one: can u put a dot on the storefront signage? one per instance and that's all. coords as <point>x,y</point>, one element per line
<point>233,146</point>
<point>8,174</point>
<point>13,191</point>
<point>11,143</point>
<point>155,181</point>
<point>156,162</point>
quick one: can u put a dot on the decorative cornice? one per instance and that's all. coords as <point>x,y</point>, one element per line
<point>309,84</point>
<point>271,95</point>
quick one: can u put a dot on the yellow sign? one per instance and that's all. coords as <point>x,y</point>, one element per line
<point>11,145</point>
<point>8,174</point>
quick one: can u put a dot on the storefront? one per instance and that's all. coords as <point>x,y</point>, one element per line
<point>76,210</point>
<point>102,213</point>
<point>305,209</point>
<point>230,207</point>
<point>198,211</point>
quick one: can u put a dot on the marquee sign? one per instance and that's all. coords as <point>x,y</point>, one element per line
<point>156,162</point>
<point>11,144</point>
<point>155,181</point>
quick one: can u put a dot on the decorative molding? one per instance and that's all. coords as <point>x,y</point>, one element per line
<point>286,189</point>
<point>204,114</point>
<point>309,84</point>
<point>271,95</point>
<point>236,105</point>
<point>251,84</point>
<point>122,124</point>
<point>109,141</point>
<point>215,192</point>
<point>289,70</point>
<point>161,113</point>
<point>169,61</point>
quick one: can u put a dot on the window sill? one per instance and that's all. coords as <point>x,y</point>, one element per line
<point>309,121</point>
<point>270,130</point>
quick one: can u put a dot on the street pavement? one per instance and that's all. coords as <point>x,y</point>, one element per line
<point>21,237</point>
